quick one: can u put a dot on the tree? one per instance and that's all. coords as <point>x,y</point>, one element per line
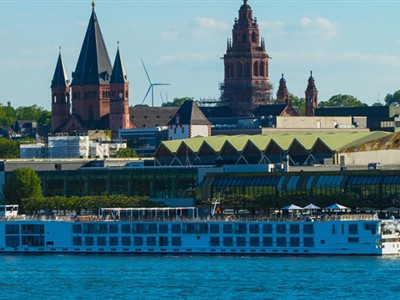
<point>342,100</point>
<point>391,98</point>
<point>177,101</point>
<point>8,148</point>
<point>23,183</point>
<point>300,103</point>
<point>126,153</point>
<point>7,115</point>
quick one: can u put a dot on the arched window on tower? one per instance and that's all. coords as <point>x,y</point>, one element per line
<point>254,37</point>
<point>262,69</point>
<point>54,98</point>
<point>247,68</point>
<point>255,68</point>
<point>227,73</point>
<point>239,69</point>
<point>231,70</point>
<point>244,38</point>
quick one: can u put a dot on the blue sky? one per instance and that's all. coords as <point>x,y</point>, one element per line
<point>352,47</point>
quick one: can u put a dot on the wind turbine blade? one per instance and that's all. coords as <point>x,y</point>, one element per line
<point>161,83</point>
<point>147,74</point>
<point>148,91</point>
<point>162,98</point>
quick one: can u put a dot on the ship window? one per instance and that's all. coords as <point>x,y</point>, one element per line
<point>241,228</point>
<point>241,241</point>
<point>77,241</point>
<point>32,229</point>
<point>214,241</point>
<point>126,228</point>
<point>163,228</point>
<point>294,228</point>
<point>281,241</point>
<point>308,242</point>
<point>12,241</point>
<point>267,241</point>
<point>89,241</point>
<point>294,242</point>
<point>267,228</point>
<point>113,228</point>
<point>281,228</point>
<point>102,228</point>
<point>371,227</point>
<point>333,229</point>
<point>254,228</point>
<point>176,228</point>
<point>113,241</point>
<point>126,241</point>
<point>308,229</point>
<point>101,241</point>
<point>176,241</point>
<point>137,228</point>
<point>228,241</point>
<point>190,228</point>
<point>353,229</point>
<point>138,241</point>
<point>353,240</point>
<point>254,242</point>
<point>322,242</point>
<point>227,229</point>
<point>214,228</point>
<point>76,228</point>
<point>203,228</point>
<point>12,229</point>
<point>152,228</point>
<point>151,241</point>
<point>163,241</point>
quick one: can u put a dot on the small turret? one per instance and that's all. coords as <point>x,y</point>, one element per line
<point>60,94</point>
<point>311,94</point>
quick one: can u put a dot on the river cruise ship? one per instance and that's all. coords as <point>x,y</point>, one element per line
<point>178,230</point>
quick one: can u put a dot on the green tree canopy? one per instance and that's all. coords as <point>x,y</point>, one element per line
<point>8,148</point>
<point>298,102</point>
<point>23,183</point>
<point>391,98</point>
<point>7,115</point>
<point>342,100</point>
<point>126,153</point>
<point>177,101</point>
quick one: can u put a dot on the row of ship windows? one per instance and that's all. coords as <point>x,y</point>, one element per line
<point>192,228</point>
<point>151,241</point>
<point>186,228</point>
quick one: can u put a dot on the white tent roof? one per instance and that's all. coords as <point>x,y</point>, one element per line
<point>337,206</point>
<point>291,207</point>
<point>311,206</point>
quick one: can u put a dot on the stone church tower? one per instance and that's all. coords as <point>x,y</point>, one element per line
<point>246,83</point>
<point>60,94</point>
<point>282,96</point>
<point>311,96</point>
<point>119,102</point>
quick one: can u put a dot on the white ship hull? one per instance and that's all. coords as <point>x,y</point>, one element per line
<point>336,237</point>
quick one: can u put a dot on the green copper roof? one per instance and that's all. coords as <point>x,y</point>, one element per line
<point>333,140</point>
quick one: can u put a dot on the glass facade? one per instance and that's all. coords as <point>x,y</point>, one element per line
<point>152,182</point>
<point>356,188</point>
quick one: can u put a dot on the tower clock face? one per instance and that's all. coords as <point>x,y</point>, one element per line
<point>242,60</point>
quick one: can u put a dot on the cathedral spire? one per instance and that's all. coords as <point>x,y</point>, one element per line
<point>94,66</point>
<point>311,96</point>
<point>118,74</point>
<point>60,78</point>
<point>282,96</point>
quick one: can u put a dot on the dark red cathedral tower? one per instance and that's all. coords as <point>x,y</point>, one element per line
<point>60,94</point>
<point>311,96</point>
<point>246,84</point>
<point>99,92</point>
